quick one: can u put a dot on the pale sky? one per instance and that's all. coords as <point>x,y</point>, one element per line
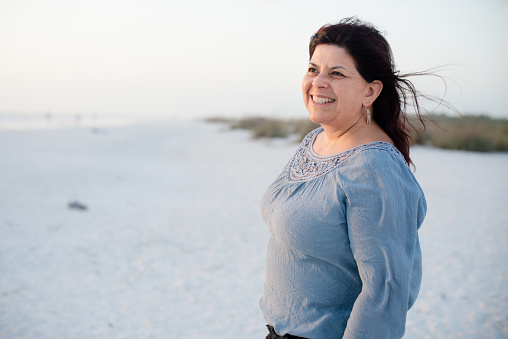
<point>230,58</point>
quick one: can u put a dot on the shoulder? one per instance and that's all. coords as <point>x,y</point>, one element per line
<point>379,156</point>
<point>379,165</point>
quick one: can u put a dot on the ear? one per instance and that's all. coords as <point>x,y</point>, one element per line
<point>374,88</point>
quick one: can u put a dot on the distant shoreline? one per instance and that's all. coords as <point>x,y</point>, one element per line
<point>50,121</point>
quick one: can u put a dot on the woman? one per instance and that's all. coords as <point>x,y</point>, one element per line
<point>344,259</point>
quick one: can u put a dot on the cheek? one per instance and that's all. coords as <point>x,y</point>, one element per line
<point>306,82</point>
<point>305,95</point>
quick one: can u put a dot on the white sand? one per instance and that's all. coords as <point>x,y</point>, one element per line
<point>172,244</point>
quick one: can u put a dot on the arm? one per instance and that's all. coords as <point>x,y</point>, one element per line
<point>384,210</point>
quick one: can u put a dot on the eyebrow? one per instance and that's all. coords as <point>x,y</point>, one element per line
<point>334,67</point>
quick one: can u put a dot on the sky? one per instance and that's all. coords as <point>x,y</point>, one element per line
<point>179,59</point>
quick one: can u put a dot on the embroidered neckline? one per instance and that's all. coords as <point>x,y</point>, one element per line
<point>307,164</point>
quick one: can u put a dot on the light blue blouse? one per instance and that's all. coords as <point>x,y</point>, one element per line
<point>344,258</point>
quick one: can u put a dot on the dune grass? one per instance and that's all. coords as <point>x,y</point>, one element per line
<point>261,127</point>
<point>471,133</point>
<point>477,133</point>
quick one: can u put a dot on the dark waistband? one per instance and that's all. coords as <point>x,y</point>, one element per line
<point>274,335</point>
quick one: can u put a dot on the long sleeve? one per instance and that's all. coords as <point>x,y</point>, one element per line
<point>384,209</point>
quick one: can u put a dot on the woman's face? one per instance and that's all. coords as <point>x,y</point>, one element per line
<point>333,90</point>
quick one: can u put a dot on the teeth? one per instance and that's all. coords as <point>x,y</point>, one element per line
<point>321,100</point>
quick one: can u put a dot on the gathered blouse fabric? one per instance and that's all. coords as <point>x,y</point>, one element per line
<point>344,258</point>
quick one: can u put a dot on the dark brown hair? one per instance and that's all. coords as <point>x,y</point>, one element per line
<point>374,61</point>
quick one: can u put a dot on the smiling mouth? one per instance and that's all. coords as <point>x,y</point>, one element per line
<point>321,100</point>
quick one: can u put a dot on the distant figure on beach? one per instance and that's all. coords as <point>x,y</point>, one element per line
<point>344,258</point>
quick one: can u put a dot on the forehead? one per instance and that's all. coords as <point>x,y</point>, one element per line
<point>332,56</point>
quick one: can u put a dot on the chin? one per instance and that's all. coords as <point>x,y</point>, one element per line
<point>317,118</point>
<point>314,120</point>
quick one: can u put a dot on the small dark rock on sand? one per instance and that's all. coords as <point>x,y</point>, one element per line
<point>76,205</point>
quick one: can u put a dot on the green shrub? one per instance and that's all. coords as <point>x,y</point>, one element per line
<point>275,128</point>
<point>270,129</point>
<point>263,127</point>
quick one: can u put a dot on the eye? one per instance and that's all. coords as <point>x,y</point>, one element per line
<point>312,70</point>
<point>337,73</point>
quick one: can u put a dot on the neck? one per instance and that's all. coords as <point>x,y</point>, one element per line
<point>335,135</point>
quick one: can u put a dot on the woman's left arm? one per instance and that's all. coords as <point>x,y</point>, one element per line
<point>384,209</point>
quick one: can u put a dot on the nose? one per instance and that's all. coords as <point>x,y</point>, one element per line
<point>320,81</point>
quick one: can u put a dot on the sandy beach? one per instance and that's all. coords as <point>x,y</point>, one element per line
<point>169,243</point>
